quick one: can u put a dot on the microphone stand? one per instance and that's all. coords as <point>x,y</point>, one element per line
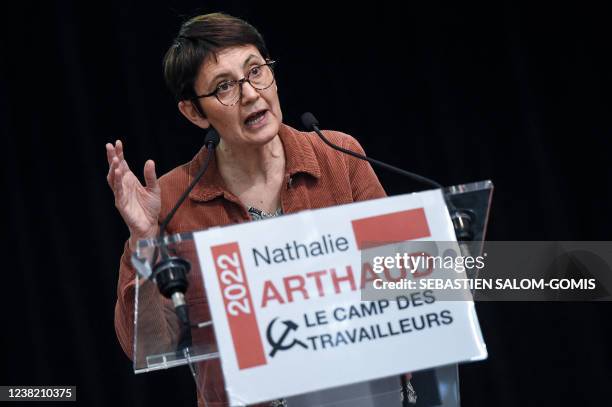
<point>170,273</point>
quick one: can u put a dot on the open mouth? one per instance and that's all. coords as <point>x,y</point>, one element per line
<point>255,118</point>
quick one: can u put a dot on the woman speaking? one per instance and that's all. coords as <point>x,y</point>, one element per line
<point>222,75</point>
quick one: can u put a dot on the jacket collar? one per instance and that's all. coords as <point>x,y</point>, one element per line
<point>299,158</point>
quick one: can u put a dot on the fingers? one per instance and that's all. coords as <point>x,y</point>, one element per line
<point>119,149</point>
<point>115,152</point>
<point>117,185</point>
<point>118,168</point>
<point>110,153</point>
<point>115,175</point>
<point>110,178</point>
<point>150,176</point>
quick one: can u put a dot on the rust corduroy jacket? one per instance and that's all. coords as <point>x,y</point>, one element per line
<point>316,176</point>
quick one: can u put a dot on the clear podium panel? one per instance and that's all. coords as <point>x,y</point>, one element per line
<point>158,334</point>
<point>475,199</point>
<point>157,331</point>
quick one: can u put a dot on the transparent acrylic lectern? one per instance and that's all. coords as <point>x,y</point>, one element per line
<point>157,330</point>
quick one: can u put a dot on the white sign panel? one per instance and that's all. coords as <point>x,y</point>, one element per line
<point>285,297</point>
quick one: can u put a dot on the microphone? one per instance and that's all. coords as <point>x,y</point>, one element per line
<point>170,273</point>
<point>311,123</point>
<point>462,219</point>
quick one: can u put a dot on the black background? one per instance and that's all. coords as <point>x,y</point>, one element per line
<point>515,93</point>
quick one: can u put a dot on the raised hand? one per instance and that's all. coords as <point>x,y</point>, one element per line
<point>138,205</point>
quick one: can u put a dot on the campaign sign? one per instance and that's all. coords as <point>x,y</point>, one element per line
<point>285,297</point>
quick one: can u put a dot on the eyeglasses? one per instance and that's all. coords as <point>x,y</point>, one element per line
<point>228,93</point>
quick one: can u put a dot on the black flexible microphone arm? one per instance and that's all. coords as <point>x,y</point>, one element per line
<point>416,177</point>
<point>170,273</point>
<point>462,219</point>
<point>211,143</point>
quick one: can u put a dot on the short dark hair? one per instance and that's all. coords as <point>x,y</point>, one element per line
<point>202,37</point>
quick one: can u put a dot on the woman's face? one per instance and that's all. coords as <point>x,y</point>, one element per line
<point>234,123</point>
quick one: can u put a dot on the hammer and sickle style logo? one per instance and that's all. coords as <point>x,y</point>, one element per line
<point>279,344</point>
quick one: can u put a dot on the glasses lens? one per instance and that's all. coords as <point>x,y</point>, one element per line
<point>261,77</point>
<point>228,93</point>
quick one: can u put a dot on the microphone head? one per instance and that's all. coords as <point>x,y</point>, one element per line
<point>309,121</point>
<point>212,138</point>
